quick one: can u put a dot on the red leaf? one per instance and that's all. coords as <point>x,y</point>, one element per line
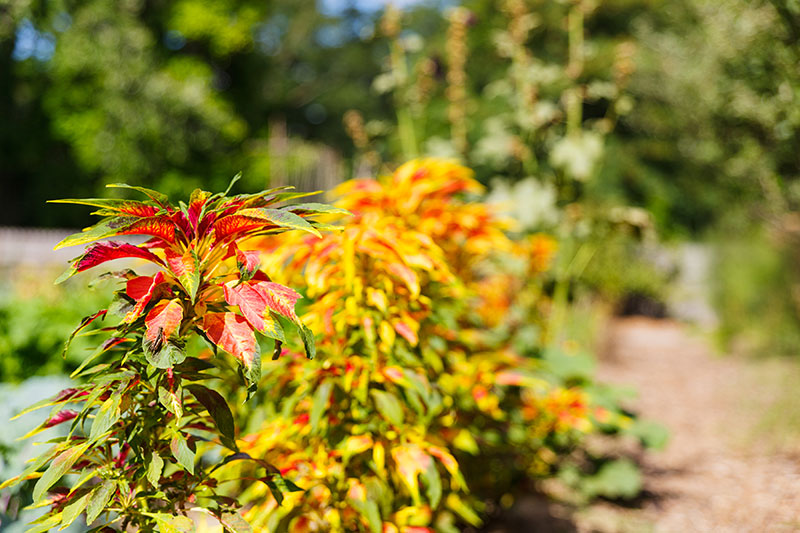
<point>160,227</point>
<point>111,342</point>
<point>186,268</point>
<point>206,222</point>
<point>279,298</point>
<point>162,321</point>
<point>85,322</point>
<point>232,333</point>
<point>253,306</point>
<point>137,287</point>
<point>234,224</point>
<point>101,252</point>
<point>144,298</point>
<point>197,201</point>
<point>60,417</point>
<point>138,209</point>
<point>248,262</point>
<point>68,394</point>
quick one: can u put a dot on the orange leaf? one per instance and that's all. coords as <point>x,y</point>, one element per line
<point>234,224</point>
<point>233,333</point>
<point>279,298</point>
<point>248,262</point>
<point>186,268</point>
<point>197,201</point>
<point>160,227</point>
<point>144,297</point>
<point>162,321</point>
<point>253,305</point>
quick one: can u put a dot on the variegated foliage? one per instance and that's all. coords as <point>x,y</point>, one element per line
<point>145,407</point>
<point>411,385</point>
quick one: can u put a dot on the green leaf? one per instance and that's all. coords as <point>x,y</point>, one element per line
<point>433,484</point>
<point>389,406</point>
<point>457,505</point>
<point>313,207</point>
<point>320,403</point>
<point>284,219</point>
<point>279,485</point>
<point>233,522</point>
<point>86,475</point>
<point>369,510</point>
<point>465,442</point>
<point>106,416</point>
<point>154,469</point>
<point>620,478</point>
<point>291,195</point>
<point>73,510</point>
<point>220,412</point>
<point>194,365</point>
<point>172,400</point>
<point>103,203</point>
<point>46,524</point>
<point>157,197</point>
<point>168,356</point>
<point>236,178</point>
<point>104,228</point>
<point>60,466</point>
<point>168,523</point>
<point>99,500</point>
<point>182,453</point>
<point>308,341</point>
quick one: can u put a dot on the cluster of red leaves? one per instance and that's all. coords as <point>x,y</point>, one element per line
<point>192,289</point>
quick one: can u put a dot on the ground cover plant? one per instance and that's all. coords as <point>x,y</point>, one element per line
<point>147,426</point>
<point>434,393</point>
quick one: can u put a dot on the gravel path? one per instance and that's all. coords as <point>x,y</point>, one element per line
<point>717,474</point>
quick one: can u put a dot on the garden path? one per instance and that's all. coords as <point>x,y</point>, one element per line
<point>732,462</point>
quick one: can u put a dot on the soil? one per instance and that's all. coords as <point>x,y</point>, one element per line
<point>724,469</point>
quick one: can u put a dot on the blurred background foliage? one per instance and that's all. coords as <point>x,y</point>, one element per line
<point>664,109</point>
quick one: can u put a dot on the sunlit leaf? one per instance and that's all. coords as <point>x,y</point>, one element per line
<point>105,228</point>
<point>106,416</point>
<point>253,304</point>
<point>100,252</point>
<point>154,469</point>
<point>74,509</point>
<point>162,323</point>
<point>234,523</point>
<point>144,299</point>
<point>100,497</point>
<point>314,208</point>
<point>232,333</point>
<point>284,219</point>
<point>157,197</point>
<point>182,453</point>
<point>58,467</point>
<point>185,267</point>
